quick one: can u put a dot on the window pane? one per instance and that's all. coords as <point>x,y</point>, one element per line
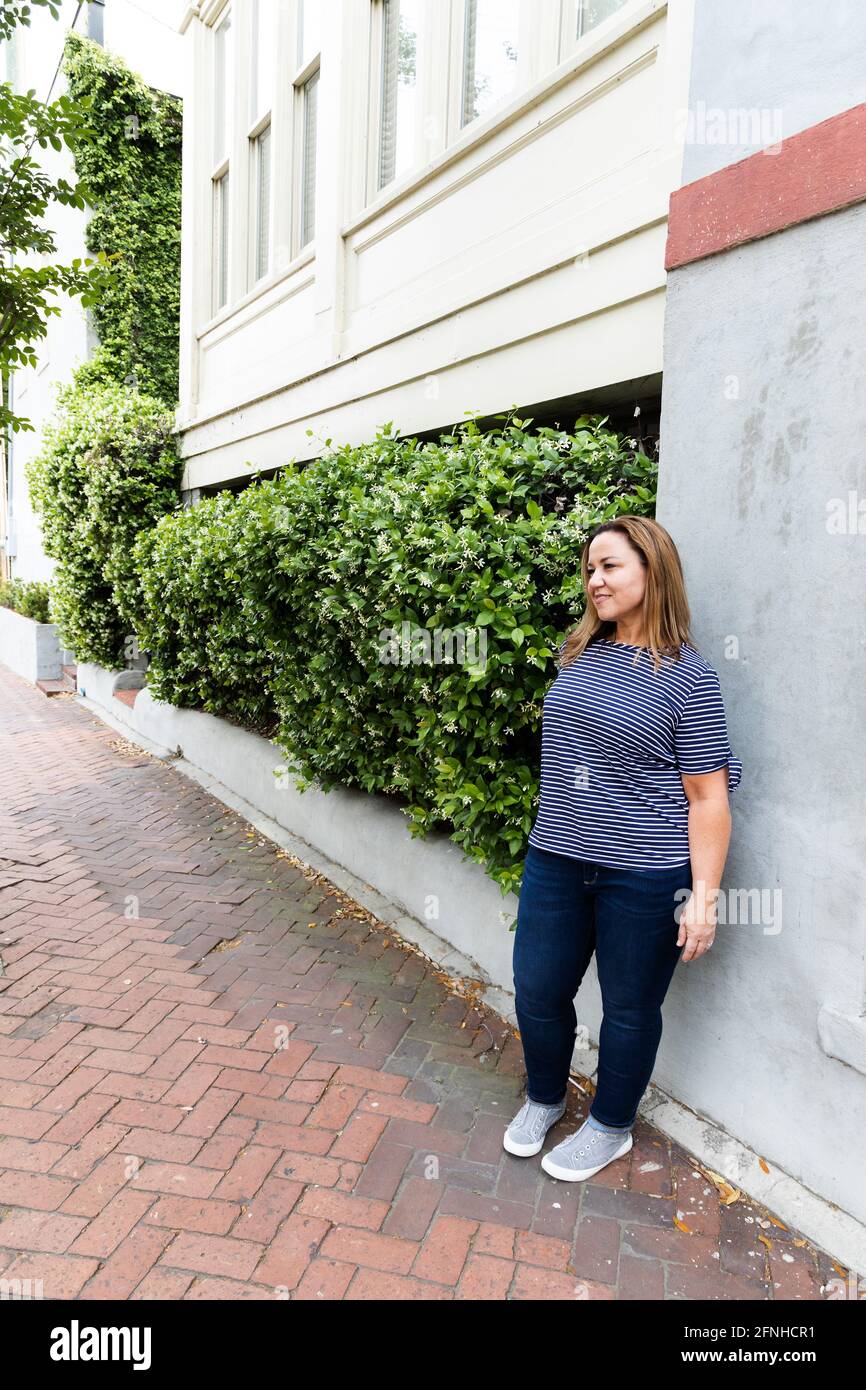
<point>262,58</point>
<point>222,89</point>
<point>220,241</point>
<point>592,12</point>
<point>401,23</point>
<point>489,55</point>
<point>308,174</point>
<point>224,239</point>
<point>309,40</point>
<point>219,92</point>
<point>263,202</point>
<point>95,26</point>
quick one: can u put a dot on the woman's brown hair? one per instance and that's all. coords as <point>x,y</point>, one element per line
<point>666,615</point>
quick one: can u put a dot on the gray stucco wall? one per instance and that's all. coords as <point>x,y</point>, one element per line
<point>793,61</point>
<point>763,424</point>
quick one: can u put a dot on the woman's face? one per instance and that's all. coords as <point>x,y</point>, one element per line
<point>616,578</point>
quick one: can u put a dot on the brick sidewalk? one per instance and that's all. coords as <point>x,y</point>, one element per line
<point>251,1090</point>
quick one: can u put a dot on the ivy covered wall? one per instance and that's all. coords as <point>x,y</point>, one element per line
<point>131,166</point>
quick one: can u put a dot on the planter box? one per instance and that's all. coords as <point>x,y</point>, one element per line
<point>101,685</point>
<point>30,649</point>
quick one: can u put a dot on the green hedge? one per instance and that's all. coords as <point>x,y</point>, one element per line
<point>28,597</point>
<point>107,469</point>
<point>275,602</point>
<point>206,641</point>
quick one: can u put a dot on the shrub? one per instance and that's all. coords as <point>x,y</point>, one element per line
<point>471,532</point>
<point>204,637</point>
<point>108,468</point>
<point>28,597</point>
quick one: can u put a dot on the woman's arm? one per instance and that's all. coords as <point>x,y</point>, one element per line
<point>709,836</point>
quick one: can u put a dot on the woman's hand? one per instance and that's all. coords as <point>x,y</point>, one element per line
<point>709,834</point>
<point>697,926</point>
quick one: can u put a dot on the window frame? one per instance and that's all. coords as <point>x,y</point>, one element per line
<point>569,42</point>
<point>226,18</point>
<point>376,106</point>
<point>260,119</point>
<point>290,100</point>
<point>221,184</point>
<point>221,239</point>
<point>264,126</point>
<point>257,113</point>
<point>310,73</point>
<point>459,26</point>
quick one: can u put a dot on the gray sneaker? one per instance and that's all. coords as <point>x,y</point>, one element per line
<point>525,1135</point>
<point>583,1154</point>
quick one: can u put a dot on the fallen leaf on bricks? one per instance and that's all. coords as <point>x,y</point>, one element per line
<point>727,1193</point>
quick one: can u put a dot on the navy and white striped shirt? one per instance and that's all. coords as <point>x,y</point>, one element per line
<point>615,737</point>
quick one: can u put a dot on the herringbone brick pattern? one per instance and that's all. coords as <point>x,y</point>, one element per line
<point>221,1079</point>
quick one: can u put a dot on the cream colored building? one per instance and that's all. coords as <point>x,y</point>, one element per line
<point>417,210</point>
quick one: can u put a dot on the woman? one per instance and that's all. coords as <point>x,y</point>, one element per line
<point>635,773</point>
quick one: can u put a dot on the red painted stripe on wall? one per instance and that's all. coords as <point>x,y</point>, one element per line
<point>816,171</point>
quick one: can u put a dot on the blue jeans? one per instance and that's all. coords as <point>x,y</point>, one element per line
<point>569,908</point>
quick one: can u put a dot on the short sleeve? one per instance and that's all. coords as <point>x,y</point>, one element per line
<point>701,737</point>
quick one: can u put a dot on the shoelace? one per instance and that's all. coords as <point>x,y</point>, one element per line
<point>537,1124</point>
<point>593,1139</point>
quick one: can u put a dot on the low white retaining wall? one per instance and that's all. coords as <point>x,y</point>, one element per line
<point>30,649</point>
